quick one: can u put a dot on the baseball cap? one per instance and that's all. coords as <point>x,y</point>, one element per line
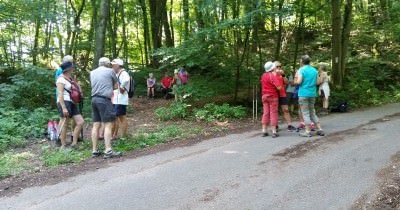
<point>118,61</point>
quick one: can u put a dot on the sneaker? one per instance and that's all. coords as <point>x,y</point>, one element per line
<point>112,154</point>
<point>291,128</point>
<point>320,132</point>
<point>96,154</point>
<point>274,135</point>
<point>264,135</point>
<point>305,134</point>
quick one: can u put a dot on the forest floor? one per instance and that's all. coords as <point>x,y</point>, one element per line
<point>142,117</point>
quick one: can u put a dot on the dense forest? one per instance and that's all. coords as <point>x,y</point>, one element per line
<point>223,43</point>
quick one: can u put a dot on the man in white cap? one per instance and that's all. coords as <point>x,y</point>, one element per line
<point>103,80</point>
<point>120,97</point>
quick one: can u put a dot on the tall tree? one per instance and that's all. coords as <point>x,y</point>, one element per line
<point>101,31</point>
<point>336,42</point>
<point>146,34</point>
<point>185,8</point>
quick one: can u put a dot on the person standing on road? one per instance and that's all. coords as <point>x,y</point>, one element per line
<point>283,101</point>
<point>66,107</point>
<point>269,91</point>
<point>102,80</point>
<point>324,90</point>
<point>120,97</point>
<point>306,78</point>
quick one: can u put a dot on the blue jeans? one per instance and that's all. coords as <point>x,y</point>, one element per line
<point>308,110</point>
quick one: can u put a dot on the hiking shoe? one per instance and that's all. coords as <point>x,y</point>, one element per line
<point>305,134</point>
<point>264,135</point>
<point>291,128</point>
<point>96,154</point>
<point>112,154</point>
<point>320,132</point>
<point>274,135</point>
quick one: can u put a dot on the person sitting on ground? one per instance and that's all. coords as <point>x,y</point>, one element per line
<point>151,83</point>
<point>102,80</point>
<point>66,107</point>
<point>166,83</point>
<point>324,90</point>
<point>283,101</point>
<point>307,80</point>
<point>269,90</point>
<point>120,97</point>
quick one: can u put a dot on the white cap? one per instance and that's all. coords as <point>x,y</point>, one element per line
<point>68,58</point>
<point>118,61</point>
<point>269,66</point>
<point>104,61</point>
<point>176,71</point>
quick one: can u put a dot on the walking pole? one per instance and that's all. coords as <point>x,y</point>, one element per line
<point>81,111</point>
<point>253,106</point>
<point>256,102</point>
<point>61,126</point>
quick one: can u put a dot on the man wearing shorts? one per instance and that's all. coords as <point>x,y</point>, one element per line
<point>102,81</point>
<point>120,98</point>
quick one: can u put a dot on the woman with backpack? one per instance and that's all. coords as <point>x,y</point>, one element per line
<point>69,94</point>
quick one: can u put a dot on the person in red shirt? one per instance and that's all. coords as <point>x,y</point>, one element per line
<point>166,83</point>
<point>269,90</point>
<point>283,100</point>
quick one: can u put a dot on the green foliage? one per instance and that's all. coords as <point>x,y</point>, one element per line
<point>177,110</point>
<point>31,88</point>
<point>213,112</point>
<point>13,163</point>
<point>53,156</point>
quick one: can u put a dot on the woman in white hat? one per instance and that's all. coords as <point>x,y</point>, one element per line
<point>270,87</point>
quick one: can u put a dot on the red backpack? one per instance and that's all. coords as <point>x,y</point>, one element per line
<point>76,91</point>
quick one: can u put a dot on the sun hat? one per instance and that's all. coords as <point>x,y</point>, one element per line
<point>66,66</point>
<point>269,66</point>
<point>118,61</point>
<point>104,61</point>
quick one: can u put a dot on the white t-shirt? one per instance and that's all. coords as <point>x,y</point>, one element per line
<point>123,81</point>
<point>67,85</point>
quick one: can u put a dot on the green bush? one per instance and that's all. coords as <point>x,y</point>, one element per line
<point>213,112</point>
<point>177,110</point>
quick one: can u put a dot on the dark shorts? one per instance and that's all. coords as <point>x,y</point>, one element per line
<point>120,110</point>
<point>291,100</point>
<point>102,110</point>
<point>283,101</point>
<point>71,107</point>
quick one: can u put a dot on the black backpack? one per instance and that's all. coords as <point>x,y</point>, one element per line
<point>341,107</point>
<point>131,91</point>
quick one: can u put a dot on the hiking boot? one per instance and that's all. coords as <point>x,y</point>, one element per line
<point>96,154</point>
<point>112,154</point>
<point>274,135</point>
<point>264,135</point>
<point>291,128</point>
<point>305,134</point>
<point>320,132</point>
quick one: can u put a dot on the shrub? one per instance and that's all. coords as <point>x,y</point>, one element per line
<point>212,112</point>
<point>177,110</point>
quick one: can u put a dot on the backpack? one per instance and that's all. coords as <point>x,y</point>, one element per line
<point>341,107</point>
<point>76,91</point>
<point>131,91</point>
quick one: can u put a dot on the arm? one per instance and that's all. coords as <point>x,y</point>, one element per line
<point>298,79</point>
<point>321,78</point>
<point>60,90</point>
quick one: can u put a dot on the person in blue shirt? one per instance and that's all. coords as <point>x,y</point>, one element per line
<point>306,78</point>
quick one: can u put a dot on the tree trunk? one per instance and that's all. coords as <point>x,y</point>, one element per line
<point>101,31</point>
<point>336,43</point>
<point>280,31</point>
<point>124,33</point>
<point>93,22</point>
<point>146,34</point>
<point>155,16</point>
<point>299,32</point>
<point>346,35</point>
<point>168,37</point>
<point>113,29</point>
<point>171,23</point>
<point>185,6</point>
<point>35,49</point>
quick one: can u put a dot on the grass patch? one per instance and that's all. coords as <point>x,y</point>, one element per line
<point>12,164</point>
<point>53,157</point>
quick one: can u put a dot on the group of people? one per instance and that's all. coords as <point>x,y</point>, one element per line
<point>110,85</point>
<point>168,84</point>
<point>302,88</point>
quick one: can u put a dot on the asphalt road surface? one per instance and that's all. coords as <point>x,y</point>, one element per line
<point>241,171</point>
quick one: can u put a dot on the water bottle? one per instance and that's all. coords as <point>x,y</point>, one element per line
<point>49,130</point>
<point>53,133</point>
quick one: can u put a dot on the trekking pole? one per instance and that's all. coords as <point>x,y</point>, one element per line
<point>253,106</point>
<point>61,126</point>
<point>81,112</point>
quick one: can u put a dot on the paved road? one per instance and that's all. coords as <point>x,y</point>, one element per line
<point>243,171</point>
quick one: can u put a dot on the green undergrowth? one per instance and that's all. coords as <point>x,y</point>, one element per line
<point>13,163</point>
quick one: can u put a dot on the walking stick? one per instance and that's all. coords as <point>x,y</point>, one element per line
<point>81,112</point>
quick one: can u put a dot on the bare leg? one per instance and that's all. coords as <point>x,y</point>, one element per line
<point>286,115</point>
<point>108,135</point>
<point>115,127</point>
<point>124,124</point>
<point>78,126</point>
<point>95,135</point>
<point>64,122</point>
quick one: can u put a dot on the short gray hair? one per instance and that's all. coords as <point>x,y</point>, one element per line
<point>104,61</point>
<point>68,58</point>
